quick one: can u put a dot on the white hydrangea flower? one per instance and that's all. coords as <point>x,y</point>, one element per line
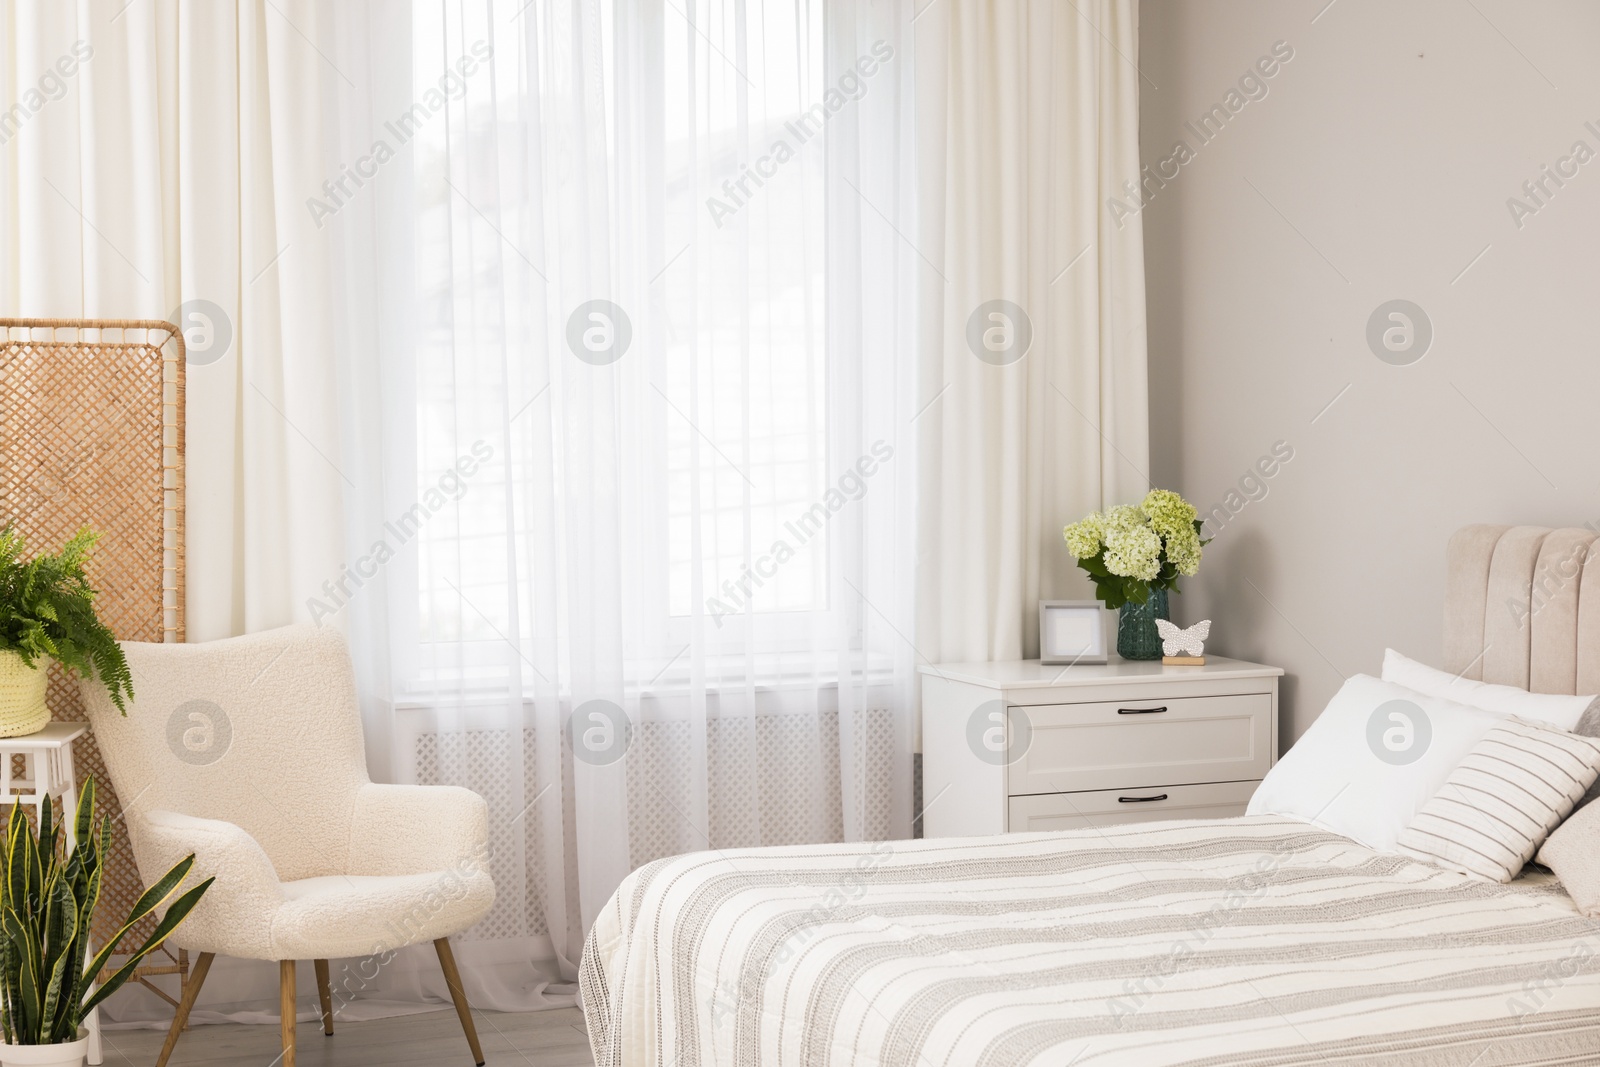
<point>1124,517</point>
<point>1133,551</point>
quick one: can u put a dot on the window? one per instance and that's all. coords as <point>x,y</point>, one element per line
<point>708,227</point>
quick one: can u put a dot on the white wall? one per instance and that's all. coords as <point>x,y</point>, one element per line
<point>1377,166</point>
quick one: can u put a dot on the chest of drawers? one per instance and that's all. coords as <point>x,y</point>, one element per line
<point>1012,747</point>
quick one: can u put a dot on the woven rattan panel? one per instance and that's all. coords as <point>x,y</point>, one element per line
<point>91,434</point>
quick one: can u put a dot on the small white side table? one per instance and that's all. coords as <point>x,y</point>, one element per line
<point>1024,746</point>
<point>46,768</point>
<point>47,771</point>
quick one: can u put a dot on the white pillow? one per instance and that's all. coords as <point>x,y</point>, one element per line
<point>1373,758</point>
<point>1562,712</point>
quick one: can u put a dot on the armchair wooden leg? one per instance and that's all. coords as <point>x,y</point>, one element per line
<point>324,995</point>
<point>186,999</point>
<point>286,1009</point>
<point>452,978</point>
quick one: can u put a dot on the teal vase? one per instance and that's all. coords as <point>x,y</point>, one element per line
<point>1137,636</point>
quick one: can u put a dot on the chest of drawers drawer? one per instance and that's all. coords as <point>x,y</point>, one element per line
<point>1107,807</point>
<point>1161,741</point>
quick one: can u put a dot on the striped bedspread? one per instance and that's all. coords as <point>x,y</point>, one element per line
<point>1244,942</point>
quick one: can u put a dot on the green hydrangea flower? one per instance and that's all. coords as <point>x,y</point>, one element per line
<point>1129,549</point>
<point>1169,513</point>
<point>1085,536</point>
<point>1183,551</point>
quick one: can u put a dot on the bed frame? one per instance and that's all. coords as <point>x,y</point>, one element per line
<point>1522,607</point>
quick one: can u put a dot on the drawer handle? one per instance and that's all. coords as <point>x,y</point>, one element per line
<point>1141,711</point>
<point>1140,800</point>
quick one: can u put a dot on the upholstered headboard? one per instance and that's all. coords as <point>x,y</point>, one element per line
<point>1522,607</point>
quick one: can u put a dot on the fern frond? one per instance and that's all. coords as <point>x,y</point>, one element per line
<point>47,610</point>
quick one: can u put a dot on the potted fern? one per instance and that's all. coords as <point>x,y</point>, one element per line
<point>47,612</point>
<point>48,895</point>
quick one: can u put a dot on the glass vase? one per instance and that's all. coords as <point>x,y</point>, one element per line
<point>1137,637</point>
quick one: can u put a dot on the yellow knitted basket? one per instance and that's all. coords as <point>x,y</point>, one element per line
<point>22,706</point>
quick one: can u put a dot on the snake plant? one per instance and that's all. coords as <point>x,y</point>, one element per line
<point>48,895</point>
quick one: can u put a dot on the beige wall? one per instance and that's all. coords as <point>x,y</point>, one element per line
<point>1377,167</point>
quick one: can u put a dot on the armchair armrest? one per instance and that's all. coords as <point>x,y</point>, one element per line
<point>415,829</point>
<point>235,915</point>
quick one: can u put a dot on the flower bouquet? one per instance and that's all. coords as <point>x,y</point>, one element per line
<point>1134,556</point>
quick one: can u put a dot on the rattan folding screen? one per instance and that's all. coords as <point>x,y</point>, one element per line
<point>91,434</point>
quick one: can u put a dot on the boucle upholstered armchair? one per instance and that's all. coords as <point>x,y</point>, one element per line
<point>248,752</point>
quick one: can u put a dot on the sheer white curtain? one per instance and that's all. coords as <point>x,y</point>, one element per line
<point>648,329</point>
<point>630,395</point>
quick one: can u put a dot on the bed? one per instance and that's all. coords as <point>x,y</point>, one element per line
<point>1251,941</point>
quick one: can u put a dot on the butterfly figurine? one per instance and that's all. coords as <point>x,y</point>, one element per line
<point>1176,641</point>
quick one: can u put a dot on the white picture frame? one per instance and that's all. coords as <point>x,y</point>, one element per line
<point>1072,631</point>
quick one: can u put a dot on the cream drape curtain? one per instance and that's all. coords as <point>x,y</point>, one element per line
<point>1028,120</point>
<point>154,159</point>
<point>154,156</point>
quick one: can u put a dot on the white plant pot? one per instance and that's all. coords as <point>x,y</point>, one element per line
<point>65,1054</point>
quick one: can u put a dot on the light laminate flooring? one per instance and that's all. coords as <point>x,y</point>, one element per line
<point>434,1039</point>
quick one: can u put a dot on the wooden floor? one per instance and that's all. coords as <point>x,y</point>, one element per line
<point>538,1038</point>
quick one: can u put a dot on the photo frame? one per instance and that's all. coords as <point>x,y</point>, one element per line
<point>1072,631</point>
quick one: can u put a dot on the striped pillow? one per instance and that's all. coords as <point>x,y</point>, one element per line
<point>1503,800</point>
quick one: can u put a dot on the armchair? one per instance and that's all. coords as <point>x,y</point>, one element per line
<point>248,752</point>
